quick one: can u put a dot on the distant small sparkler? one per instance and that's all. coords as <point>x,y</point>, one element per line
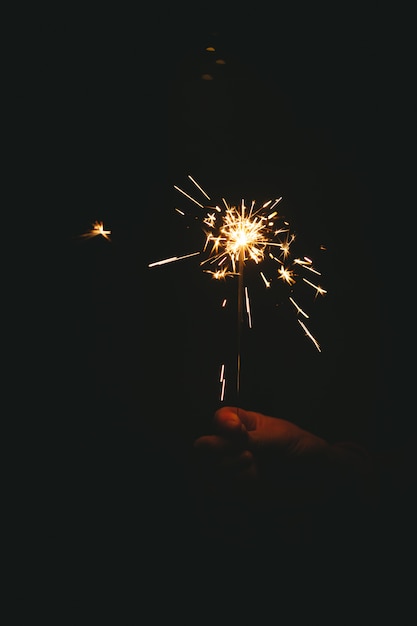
<point>97,228</point>
<point>244,233</point>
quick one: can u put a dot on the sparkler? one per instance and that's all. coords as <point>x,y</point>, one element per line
<point>236,235</point>
<point>97,228</point>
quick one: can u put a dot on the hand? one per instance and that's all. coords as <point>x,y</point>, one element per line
<point>255,464</point>
<point>250,451</point>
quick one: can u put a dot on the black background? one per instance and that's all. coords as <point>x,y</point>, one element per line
<point>122,363</point>
<point>315,111</point>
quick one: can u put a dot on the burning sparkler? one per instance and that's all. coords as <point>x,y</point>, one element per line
<point>239,234</point>
<point>97,228</point>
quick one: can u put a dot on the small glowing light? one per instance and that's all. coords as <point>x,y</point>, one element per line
<point>247,302</point>
<point>299,309</point>
<point>309,335</point>
<point>286,275</point>
<point>97,228</point>
<point>172,259</point>
<point>319,290</point>
<point>222,382</point>
<point>266,281</point>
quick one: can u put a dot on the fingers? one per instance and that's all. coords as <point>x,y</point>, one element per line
<point>225,461</point>
<point>227,420</point>
<point>221,455</point>
<point>233,421</point>
<point>230,446</point>
<point>217,446</point>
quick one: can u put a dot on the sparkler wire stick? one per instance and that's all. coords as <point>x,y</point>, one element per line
<point>239,320</point>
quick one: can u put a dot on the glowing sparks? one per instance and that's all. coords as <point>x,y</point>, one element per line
<point>299,309</point>
<point>189,197</point>
<point>247,302</point>
<point>319,290</point>
<point>221,273</point>
<point>286,274</point>
<point>222,382</point>
<point>97,228</point>
<point>266,281</point>
<point>242,233</point>
<point>309,335</point>
<point>172,259</point>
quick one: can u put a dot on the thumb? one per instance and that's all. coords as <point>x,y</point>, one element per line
<point>228,422</point>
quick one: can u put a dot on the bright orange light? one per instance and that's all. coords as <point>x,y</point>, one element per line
<point>97,229</point>
<point>236,235</point>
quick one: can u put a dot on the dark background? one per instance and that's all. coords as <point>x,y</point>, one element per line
<point>312,105</point>
<point>315,111</point>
